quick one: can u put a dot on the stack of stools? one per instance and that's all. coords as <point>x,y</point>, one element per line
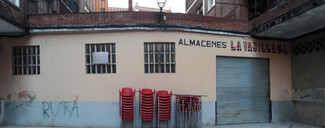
<point>146,105</point>
<point>127,104</point>
<point>189,111</point>
<point>163,106</point>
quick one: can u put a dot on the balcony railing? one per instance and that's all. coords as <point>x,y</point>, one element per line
<point>188,4</point>
<point>275,3</point>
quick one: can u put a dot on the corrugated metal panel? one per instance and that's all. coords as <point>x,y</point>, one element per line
<point>242,90</point>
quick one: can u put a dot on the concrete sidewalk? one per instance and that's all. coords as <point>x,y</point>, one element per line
<point>266,125</point>
<point>259,125</point>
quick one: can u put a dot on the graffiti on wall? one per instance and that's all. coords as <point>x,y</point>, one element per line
<point>305,96</point>
<point>66,108</point>
<point>9,97</point>
<point>315,95</point>
<point>28,96</point>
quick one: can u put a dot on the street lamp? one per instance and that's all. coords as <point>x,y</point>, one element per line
<point>161,4</point>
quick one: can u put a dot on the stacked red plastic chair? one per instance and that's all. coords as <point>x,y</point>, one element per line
<point>189,111</point>
<point>127,104</point>
<point>146,105</point>
<point>164,105</point>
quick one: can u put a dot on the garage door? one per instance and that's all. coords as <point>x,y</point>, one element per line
<point>242,90</point>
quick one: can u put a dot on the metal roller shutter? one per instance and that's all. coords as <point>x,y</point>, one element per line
<point>242,90</point>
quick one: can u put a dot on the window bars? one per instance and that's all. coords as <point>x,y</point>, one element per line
<point>26,60</point>
<point>92,68</point>
<point>159,57</point>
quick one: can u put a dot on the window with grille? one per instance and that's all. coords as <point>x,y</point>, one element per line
<point>211,3</point>
<point>159,58</point>
<point>15,2</point>
<point>26,60</point>
<point>93,67</point>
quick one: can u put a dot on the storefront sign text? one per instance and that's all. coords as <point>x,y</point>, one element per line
<point>279,48</point>
<point>202,43</point>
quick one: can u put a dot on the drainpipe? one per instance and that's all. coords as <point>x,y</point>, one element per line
<point>130,6</point>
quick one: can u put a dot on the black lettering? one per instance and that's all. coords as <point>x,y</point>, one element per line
<point>202,42</point>
<point>214,43</point>
<point>208,43</point>
<point>198,43</point>
<point>185,43</point>
<point>224,44</point>
<point>180,42</point>
<point>219,44</point>
<point>192,42</point>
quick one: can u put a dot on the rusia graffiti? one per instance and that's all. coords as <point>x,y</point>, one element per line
<point>65,107</point>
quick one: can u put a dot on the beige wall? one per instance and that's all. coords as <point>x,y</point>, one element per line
<point>63,66</point>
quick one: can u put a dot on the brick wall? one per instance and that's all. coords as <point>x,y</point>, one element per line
<point>272,14</point>
<point>120,18</point>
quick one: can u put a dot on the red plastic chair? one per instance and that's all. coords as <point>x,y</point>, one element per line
<point>163,105</point>
<point>146,104</point>
<point>126,103</point>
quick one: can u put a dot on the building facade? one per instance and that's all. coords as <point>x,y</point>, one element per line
<point>101,5</point>
<point>246,71</point>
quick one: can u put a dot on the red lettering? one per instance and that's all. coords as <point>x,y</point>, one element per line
<point>254,46</point>
<point>245,45</point>
<point>262,47</point>
<point>232,46</point>
<point>285,50</point>
<point>268,50</point>
<point>249,46</point>
<point>273,48</point>
<point>238,46</point>
<point>279,48</point>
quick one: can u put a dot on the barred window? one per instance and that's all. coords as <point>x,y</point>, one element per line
<point>159,57</point>
<point>100,58</point>
<point>26,60</point>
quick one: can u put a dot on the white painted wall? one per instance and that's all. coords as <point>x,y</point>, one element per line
<point>63,74</point>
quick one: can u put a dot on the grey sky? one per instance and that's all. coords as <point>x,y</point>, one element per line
<point>177,6</point>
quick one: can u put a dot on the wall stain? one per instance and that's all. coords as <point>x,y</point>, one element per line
<point>9,96</point>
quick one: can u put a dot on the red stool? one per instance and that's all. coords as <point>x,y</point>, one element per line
<point>163,105</point>
<point>126,103</point>
<point>146,104</point>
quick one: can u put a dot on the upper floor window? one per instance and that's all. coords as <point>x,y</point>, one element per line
<point>211,3</point>
<point>103,0</point>
<point>102,9</point>
<point>159,57</point>
<point>26,60</point>
<point>100,58</point>
<point>15,2</point>
<point>275,3</point>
